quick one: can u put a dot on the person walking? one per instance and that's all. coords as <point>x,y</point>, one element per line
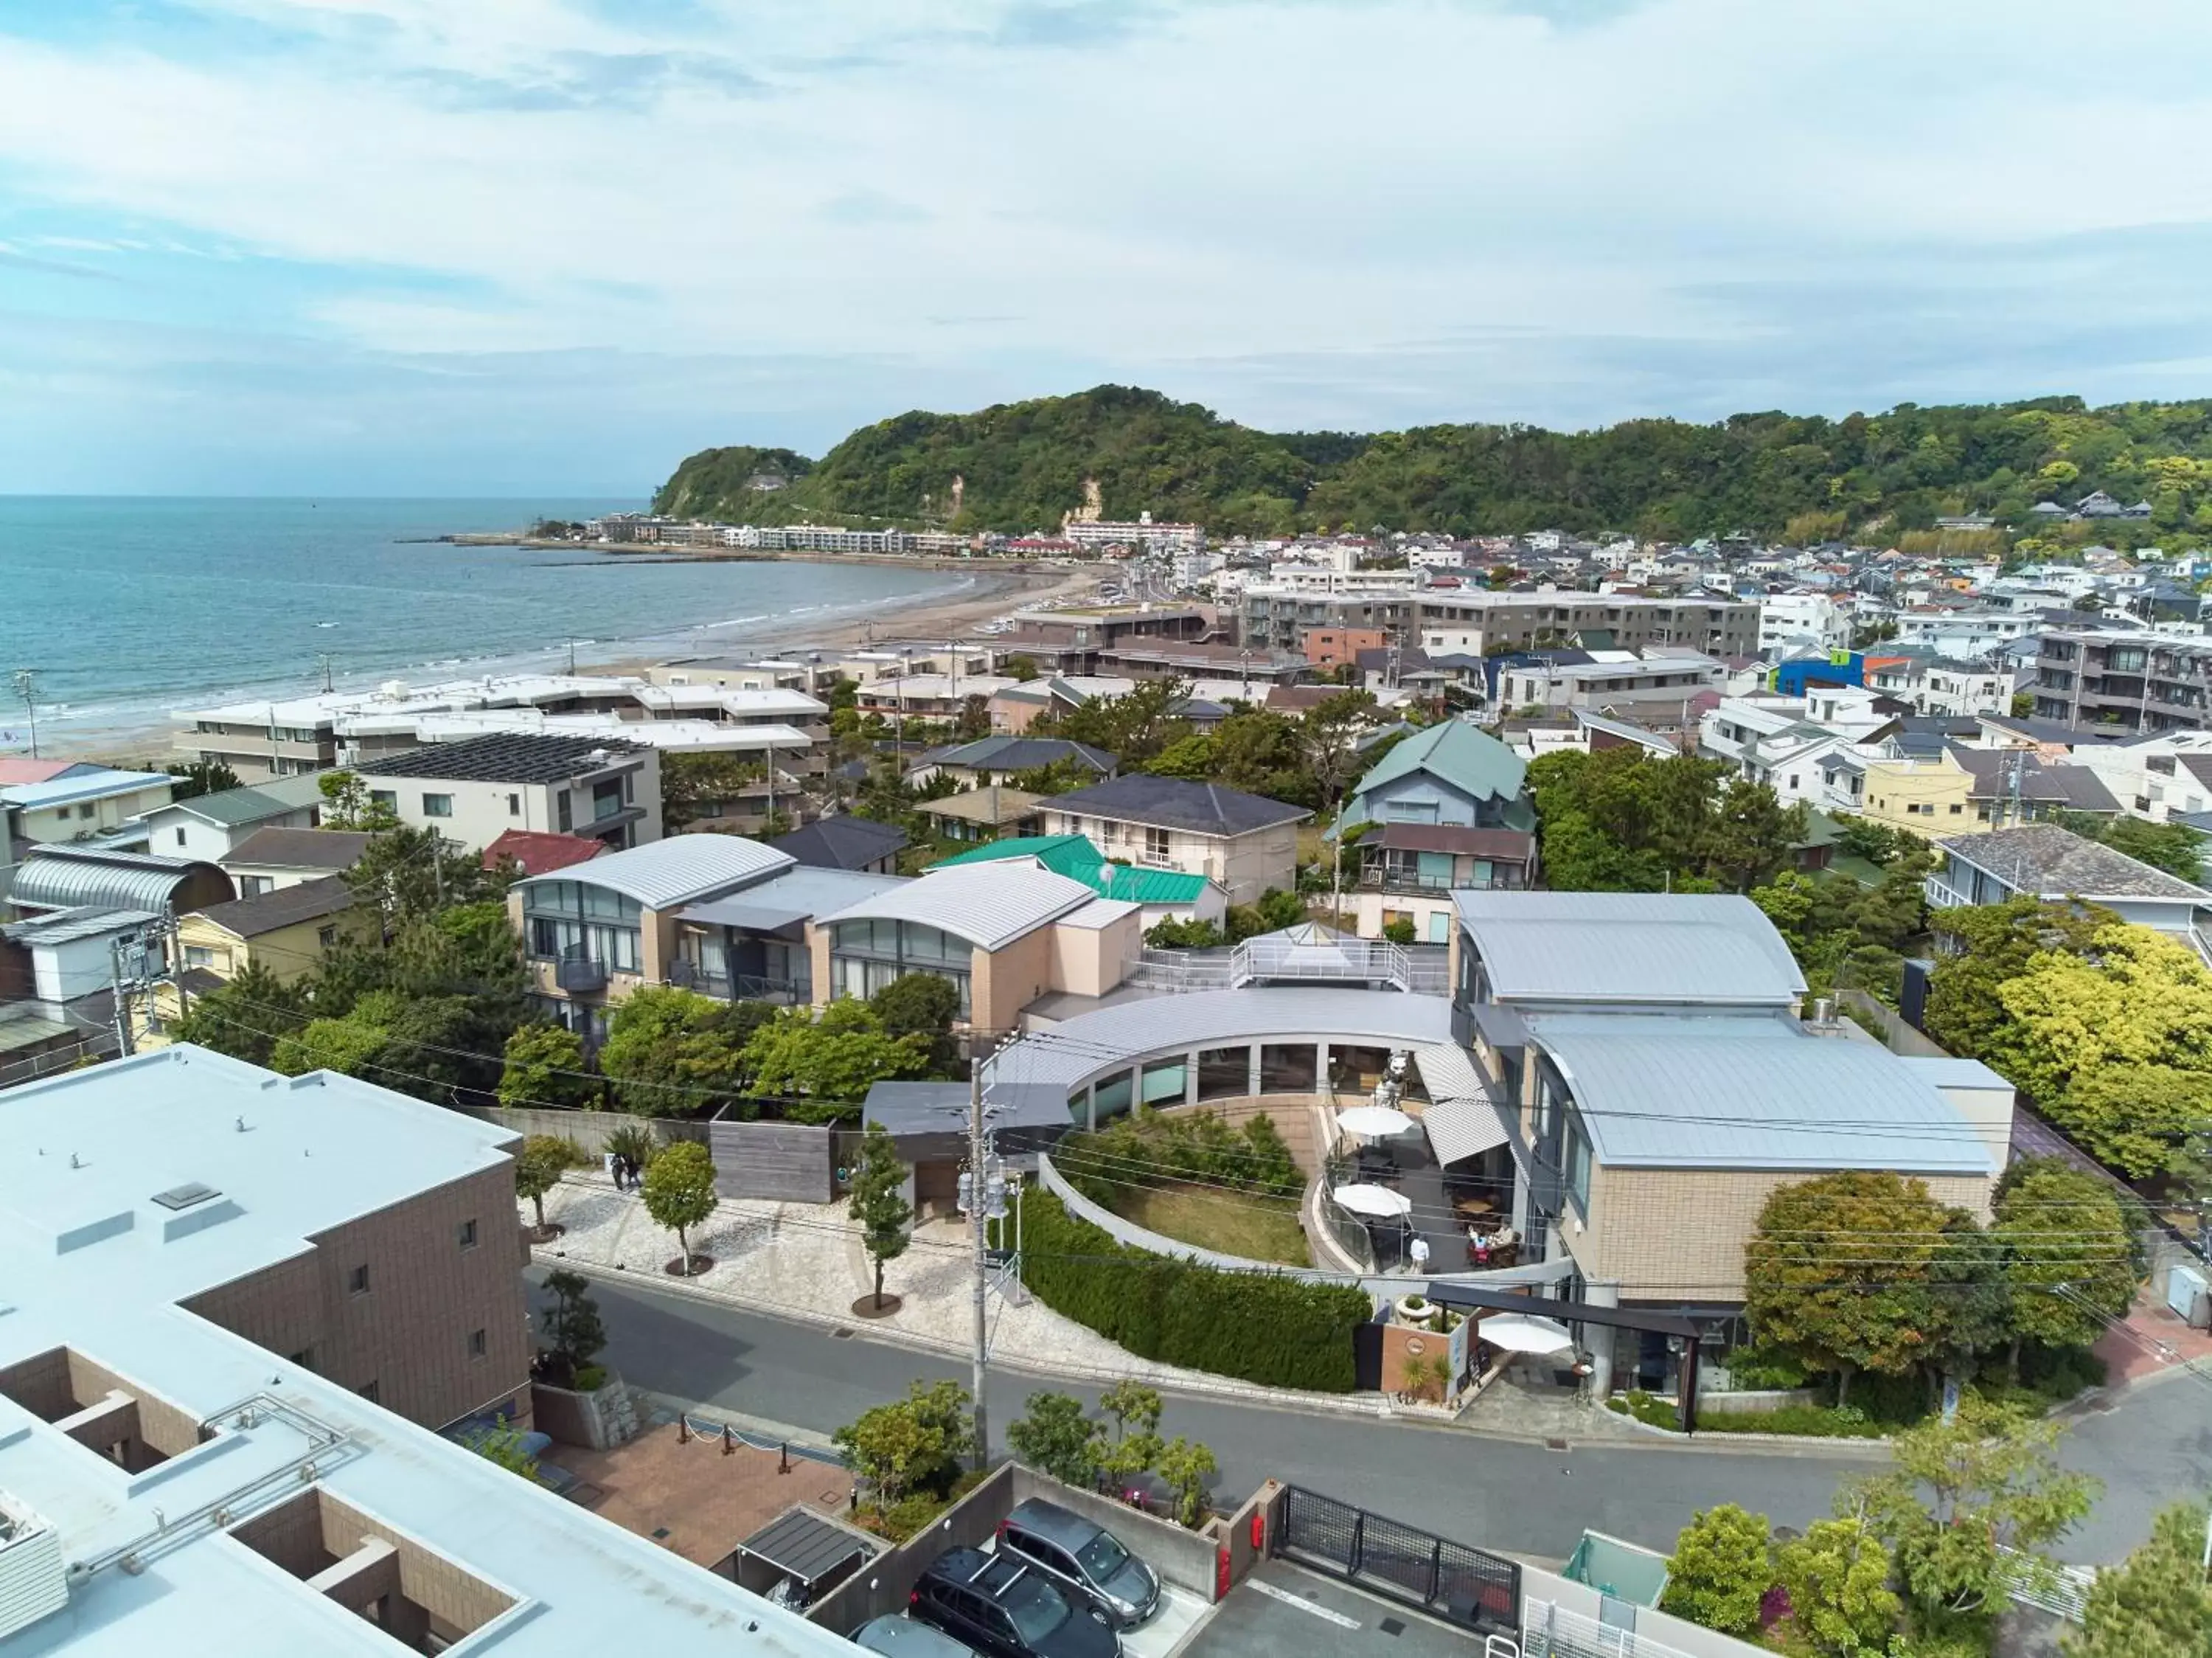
<point>614,1169</point>
<point>1420,1253</point>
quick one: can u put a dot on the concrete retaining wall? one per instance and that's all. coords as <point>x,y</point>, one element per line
<point>883,1585</point>
<point>1142,1238</point>
<point>781,1163</point>
<point>588,1129</point>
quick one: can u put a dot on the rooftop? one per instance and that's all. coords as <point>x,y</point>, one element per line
<point>1680,948</point>
<point>300,849</point>
<point>785,903</point>
<point>100,1265</point>
<point>1005,754</point>
<point>988,904</point>
<point>79,783</point>
<point>2043,860</point>
<point>1751,1091</point>
<point>1204,809</point>
<point>992,806</point>
<point>540,851</point>
<point>1076,857</point>
<point>65,877</point>
<point>280,907</point>
<point>681,869</point>
<point>1472,761</point>
<point>258,803</point>
<point>505,757</point>
<point>843,842</point>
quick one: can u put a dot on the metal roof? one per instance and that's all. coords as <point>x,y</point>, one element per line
<point>505,757</point>
<point>1472,761</point>
<point>77,785</point>
<point>251,804</point>
<point>1463,1117</point>
<point>1696,948</point>
<point>662,873</point>
<point>1076,1049</point>
<point>1751,1090</point>
<point>1078,859</point>
<point>989,905</point>
<point>796,895</point>
<point>806,1546</point>
<point>278,848</point>
<point>1203,808</point>
<point>69,878</point>
<point>67,926</point>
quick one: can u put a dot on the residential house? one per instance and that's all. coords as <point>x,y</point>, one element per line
<point>846,843</point>
<point>209,827</point>
<point>1620,681</point>
<point>2044,861</point>
<point>999,759</point>
<point>1003,934</point>
<point>594,932</point>
<point>1162,894</point>
<point>270,858</point>
<point>1452,810</point>
<point>1246,843</point>
<point>1016,708</point>
<point>984,814</point>
<point>75,877</point>
<point>537,852</point>
<point>472,791</point>
<point>1655,1085</point>
<point>929,696</point>
<point>1965,791</point>
<point>750,944</point>
<point>287,931</point>
<point>81,803</point>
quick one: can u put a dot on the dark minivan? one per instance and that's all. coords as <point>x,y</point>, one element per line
<point>1001,1604</point>
<point>1083,1557</point>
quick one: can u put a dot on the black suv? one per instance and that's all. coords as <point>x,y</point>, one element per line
<point>1000,1605</point>
<point>1084,1557</point>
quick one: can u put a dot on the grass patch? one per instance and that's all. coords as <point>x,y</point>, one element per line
<point>1808,1421</point>
<point>1256,1229</point>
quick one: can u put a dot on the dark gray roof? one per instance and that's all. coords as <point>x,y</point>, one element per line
<point>504,757</point>
<point>2054,731</point>
<point>806,1546</point>
<point>300,849</point>
<point>2047,861</point>
<point>1206,808</point>
<point>280,907</point>
<point>1005,754</point>
<point>843,842</point>
<point>907,1109</point>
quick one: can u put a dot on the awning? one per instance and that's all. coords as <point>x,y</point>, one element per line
<point>748,918</point>
<point>806,1548</point>
<point>1461,1119</point>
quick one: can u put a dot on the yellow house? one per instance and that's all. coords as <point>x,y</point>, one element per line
<point>287,931</point>
<point>1970,791</point>
<point>1930,795</point>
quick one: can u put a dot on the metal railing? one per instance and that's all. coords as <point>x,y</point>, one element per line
<point>1386,878</point>
<point>578,973</point>
<point>1551,1631</point>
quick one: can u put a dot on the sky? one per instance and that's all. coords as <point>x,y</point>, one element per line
<point>518,246</point>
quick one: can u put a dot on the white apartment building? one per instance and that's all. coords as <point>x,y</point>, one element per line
<point>1965,632</point>
<point>1619,679</point>
<point>1787,617</point>
<point>1143,533</point>
<point>1299,581</point>
<point>2159,776</point>
<point>473,791</point>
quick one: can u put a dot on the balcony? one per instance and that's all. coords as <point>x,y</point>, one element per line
<point>578,974</point>
<point>1941,895</point>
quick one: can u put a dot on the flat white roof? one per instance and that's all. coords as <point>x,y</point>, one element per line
<point>313,1151</point>
<point>500,691</point>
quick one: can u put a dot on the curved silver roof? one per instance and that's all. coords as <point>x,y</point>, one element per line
<point>72,878</point>
<point>664,872</point>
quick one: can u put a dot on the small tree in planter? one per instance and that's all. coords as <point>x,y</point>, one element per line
<point>880,1204</point>
<point>1136,1449</point>
<point>543,1159</point>
<point>1056,1438</point>
<point>1721,1569</point>
<point>680,1194</point>
<point>1187,1466</point>
<point>574,1333</point>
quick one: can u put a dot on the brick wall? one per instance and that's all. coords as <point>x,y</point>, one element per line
<point>410,1332</point>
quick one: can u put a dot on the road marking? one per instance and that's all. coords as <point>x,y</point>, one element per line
<point>1304,1605</point>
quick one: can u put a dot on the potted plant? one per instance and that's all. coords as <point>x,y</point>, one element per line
<point>1416,1310</point>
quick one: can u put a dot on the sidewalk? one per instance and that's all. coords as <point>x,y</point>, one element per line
<point>2150,1344</point>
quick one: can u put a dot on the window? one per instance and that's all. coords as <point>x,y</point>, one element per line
<point>387,798</point>
<point>437,806</point>
<point>305,1359</point>
<point>468,1233</point>
<point>514,806</point>
<point>367,1391</point>
<point>1956,808</point>
<point>606,798</point>
<point>357,1282</point>
<point>327,937</point>
<point>476,1344</point>
<point>198,955</point>
<point>254,886</point>
<point>564,810</point>
<point>181,838</point>
<point>1156,844</point>
<point>1576,1163</point>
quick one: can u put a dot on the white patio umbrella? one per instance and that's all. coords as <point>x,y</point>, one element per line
<point>1517,1333</point>
<point>1373,1122</point>
<point>1378,1201</point>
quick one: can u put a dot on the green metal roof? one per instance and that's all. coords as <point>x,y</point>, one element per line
<point>1074,856</point>
<point>1457,751</point>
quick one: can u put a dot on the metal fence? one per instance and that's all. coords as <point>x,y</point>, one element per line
<point>1549,1630</point>
<point>1420,969</point>
<point>1464,1584</point>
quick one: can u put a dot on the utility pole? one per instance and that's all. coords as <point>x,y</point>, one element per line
<point>978,1208</point>
<point>26,688</point>
<point>324,657</point>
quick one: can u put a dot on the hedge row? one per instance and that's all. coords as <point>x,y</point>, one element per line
<point>1256,1326</point>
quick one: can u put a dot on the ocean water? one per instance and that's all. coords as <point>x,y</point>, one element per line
<point>128,607</point>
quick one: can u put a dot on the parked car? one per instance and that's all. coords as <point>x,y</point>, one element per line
<point>907,1638</point>
<point>1002,1605</point>
<point>1085,1557</point>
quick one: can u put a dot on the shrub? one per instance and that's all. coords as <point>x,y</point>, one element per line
<point>1258,1327</point>
<point>1720,1571</point>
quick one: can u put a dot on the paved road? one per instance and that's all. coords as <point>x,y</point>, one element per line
<point>1501,1494</point>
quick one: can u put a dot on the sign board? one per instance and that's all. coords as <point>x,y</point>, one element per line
<point>1462,1345</point>
<point>1950,1398</point>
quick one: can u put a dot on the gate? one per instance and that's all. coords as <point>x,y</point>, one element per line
<point>1464,1584</point>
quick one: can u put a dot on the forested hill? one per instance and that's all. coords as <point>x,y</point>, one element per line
<point>1024,466</point>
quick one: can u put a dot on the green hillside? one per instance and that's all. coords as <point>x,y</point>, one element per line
<point>1022,466</point>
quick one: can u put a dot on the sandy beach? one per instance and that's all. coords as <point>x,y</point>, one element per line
<point>998,591</point>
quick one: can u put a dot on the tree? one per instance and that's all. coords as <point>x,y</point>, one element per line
<point>1985,945</point>
<point>407,873</point>
<point>543,1159</point>
<point>1721,1569</point>
<point>247,1017</point>
<point>1326,736</point>
<point>689,784</point>
<point>1133,727</point>
<point>1622,820</point>
<point>350,1047</point>
<point>2135,997</point>
<point>197,777</point>
<point>974,721</point>
<point>1020,667</point>
<point>2068,1255</point>
<point>1963,1492</point>
<point>879,1206</point>
<point>920,1004</point>
<point>672,1053</point>
<point>1837,1578</point>
<point>575,1334</point>
<point>1399,930</point>
<point>679,1191</point>
<point>1838,1271</point>
<point>912,1444</point>
<point>2153,1604</point>
<point>347,803</point>
<point>545,1066</point>
<point>830,1059</point>
<point>1056,1438</point>
<point>1186,1466</point>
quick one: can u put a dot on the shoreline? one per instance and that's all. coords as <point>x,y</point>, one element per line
<point>999,587</point>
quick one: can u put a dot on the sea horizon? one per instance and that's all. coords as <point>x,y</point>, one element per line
<point>130,607</point>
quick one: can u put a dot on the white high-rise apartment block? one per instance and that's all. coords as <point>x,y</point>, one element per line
<point>1786,618</point>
